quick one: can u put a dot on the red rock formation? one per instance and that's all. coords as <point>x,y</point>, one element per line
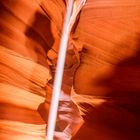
<point>108,32</point>
<point>25,38</point>
<point>103,68</point>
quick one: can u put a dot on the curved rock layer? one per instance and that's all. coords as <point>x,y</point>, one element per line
<point>25,38</point>
<point>103,67</point>
<point>110,87</point>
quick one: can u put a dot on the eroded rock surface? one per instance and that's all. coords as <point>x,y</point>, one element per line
<point>102,67</point>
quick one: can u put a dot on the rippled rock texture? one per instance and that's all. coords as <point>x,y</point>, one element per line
<point>102,70</point>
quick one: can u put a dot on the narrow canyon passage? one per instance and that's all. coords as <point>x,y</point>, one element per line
<point>101,76</point>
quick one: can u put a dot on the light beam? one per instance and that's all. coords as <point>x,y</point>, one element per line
<point>59,73</point>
